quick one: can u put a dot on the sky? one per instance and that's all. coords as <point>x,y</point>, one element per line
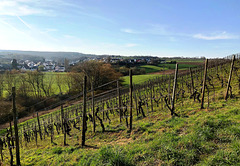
<point>188,28</point>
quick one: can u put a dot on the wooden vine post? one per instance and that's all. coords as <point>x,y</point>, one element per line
<point>62,117</point>
<point>39,127</point>
<point>63,121</point>
<point>35,133</point>
<point>151,95</point>
<point>131,98</point>
<point>84,122</point>
<point>9,147</point>
<point>192,81</point>
<point>64,132</point>
<point>11,132</point>
<point>119,101</point>
<point>15,126</point>
<point>93,110</point>
<point>230,76</point>
<point>169,84</point>
<point>204,83</point>
<point>174,90</point>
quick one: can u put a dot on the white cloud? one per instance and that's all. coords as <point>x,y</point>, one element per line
<point>158,29</point>
<point>21,8</point>
<point>24,22</point>
<point>47,30</point>
<point>216,36</point>
<point>127,30</point>
<point>154,29</point>
<point>28,38</point>
<point>12,38</point>
<point>45,8</point>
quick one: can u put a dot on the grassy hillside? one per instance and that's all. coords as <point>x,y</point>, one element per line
<point>50,78</point>
<point>152,68</point>
<point>138,79</point>
<point>209,136</point>
<point>203,137</point>
<point>161,67</point>
<point>180,66</point>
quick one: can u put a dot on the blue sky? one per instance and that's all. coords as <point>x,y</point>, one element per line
<point>192,28</point>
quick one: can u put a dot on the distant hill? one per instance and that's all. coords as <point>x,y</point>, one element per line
<point>38,55</point>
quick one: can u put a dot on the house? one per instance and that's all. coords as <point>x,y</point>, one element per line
<point>59,69</point>
<point>49,65</point>
<point>25,67</point>
<point>4,67</point>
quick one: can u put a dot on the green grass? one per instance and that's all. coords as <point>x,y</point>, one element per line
<point>207,137</point>
<point>161,67</point>
<point>49,78</point>
<point>138,79</point>
<point>152,68</point>
<point>188,60</point>
<point>173,66</point>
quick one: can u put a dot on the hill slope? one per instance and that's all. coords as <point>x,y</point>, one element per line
<point>209,136</point>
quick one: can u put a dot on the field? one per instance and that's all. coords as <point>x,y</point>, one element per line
<point>203,137</point>
<point>157,71</point>
<point>162,67</point>
<point>53,79</point>
<point>138,79</point>
<point>194,136</point>
<point>50,78</point>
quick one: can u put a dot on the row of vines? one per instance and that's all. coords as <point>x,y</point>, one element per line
<point>120,106</point>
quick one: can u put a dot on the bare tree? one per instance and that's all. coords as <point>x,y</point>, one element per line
<point>1,84</point>
<point>60,82</point>
<point>23,89</point>
<point>35,78</point>
<point>46,84</point>
<point>11,79</point>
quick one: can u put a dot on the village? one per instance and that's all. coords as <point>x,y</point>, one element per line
<point>50,65</point>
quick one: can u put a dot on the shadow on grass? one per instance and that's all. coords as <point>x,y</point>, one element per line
<point>90,146</point>
<point>111,131</point>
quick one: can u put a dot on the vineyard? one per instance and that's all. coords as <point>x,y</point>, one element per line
<point>156,108</point>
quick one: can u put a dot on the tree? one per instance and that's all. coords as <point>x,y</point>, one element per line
<point>23,86</point>
<point>11,79</point>
<point>75,82</point>
<point>14,64</point>
<point>34,78</point>
<point>46,84</point>
<point>59,81</point>
<point>97,72</point>
<point>66,64</point>
<point>1,84</point>
<point>41,68</point>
